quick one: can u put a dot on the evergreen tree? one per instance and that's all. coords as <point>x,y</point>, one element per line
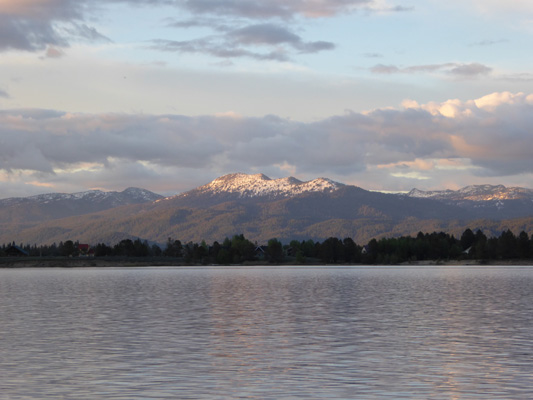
<point>173,248</point>
<point>274,251</point>
<point>352,253</point>
<point>68,249</point>
<point>523,245</point>
<point>480,250</point>
<point>467,239</point>
<point>242,249</point>
<point>507,245</point>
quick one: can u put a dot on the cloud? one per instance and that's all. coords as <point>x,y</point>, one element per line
<point>274,35</point>
<point>266,23</point>
<point>274,8</point>
<point>485,137</point>
<point>372,55</point>
<point>247,42</point>
<point>470,70</point>
<point>88,33</point>
<point>393,69</point>
<point>517,77</point>
<point>214,48</point>
<point>488,42</point>
<point>34,25</point>
<point>385,69</point>
<point>42,9</point>
<point>400,9</point>
<point>455,69</point>
<point>490,131</point>
<point>4,94</point>
<point>28,35</point>
<point>50,25</point>
<point>262,34</point>
<point>214,23</point>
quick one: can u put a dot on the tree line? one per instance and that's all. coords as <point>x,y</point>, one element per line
<point>239,250</point>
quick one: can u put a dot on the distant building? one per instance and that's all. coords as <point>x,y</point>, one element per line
<point>84,250</point>
<point>16,251</point>
<point>260,252</point>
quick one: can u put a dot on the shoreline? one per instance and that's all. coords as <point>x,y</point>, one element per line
<point>58,262</point>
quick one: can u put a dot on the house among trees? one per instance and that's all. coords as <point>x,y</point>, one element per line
<point>84,250</point>
<point>260,252</point>
<point>291,251</point>
<point>16,251</point>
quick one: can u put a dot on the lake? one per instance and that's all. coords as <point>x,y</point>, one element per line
<point>267,333</point>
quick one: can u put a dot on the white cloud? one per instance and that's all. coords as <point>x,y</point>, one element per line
<point>488,137</point>
<point>461,70</point>
<point>494,100</point>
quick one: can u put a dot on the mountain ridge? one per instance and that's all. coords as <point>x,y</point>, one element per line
<point>49,206</point>
<point>131,192</point>
<point>262,208</point>
<point>476,193</point>
<point>257,185</point>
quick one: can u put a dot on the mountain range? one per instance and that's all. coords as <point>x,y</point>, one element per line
<point>262,208</point>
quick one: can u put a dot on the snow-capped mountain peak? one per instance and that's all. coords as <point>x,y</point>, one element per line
<point>260,185</point>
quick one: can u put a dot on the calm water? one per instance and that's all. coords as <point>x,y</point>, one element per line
<point>267,333</point>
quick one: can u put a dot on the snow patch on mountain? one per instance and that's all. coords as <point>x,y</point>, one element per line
<point>476,193</point>
<point>128,196</point>
<point>260,185</point>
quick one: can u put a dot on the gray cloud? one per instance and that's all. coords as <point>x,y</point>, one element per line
<point>213,47</point>
<point>202,22</point>
<point>86,32</point>
<point>34,25</point>
<point>470,70</point>
<point>273,8</point>
<point>518,77</point>
<point>243,42</point>
<point>385,69</point>
<point>372,55</point>
<point>456,69</point>
<point>262,34</point>
<point>274,35</point>
<point>4,94</point>
<point>266,32</point>
<point>38,25</point>
<point>492,133</point>
<point>27,35</point>
<point>488,42</point>
<point>428,68</point>
<point>315,47</point>
<point>400,9</point>
<point>43,10</point>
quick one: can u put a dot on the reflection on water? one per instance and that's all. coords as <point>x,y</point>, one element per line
<point>267,333</point>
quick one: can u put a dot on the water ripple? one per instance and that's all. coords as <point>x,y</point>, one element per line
<point>267,333</point>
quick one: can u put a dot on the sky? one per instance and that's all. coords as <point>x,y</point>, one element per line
<point>168,95</point>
